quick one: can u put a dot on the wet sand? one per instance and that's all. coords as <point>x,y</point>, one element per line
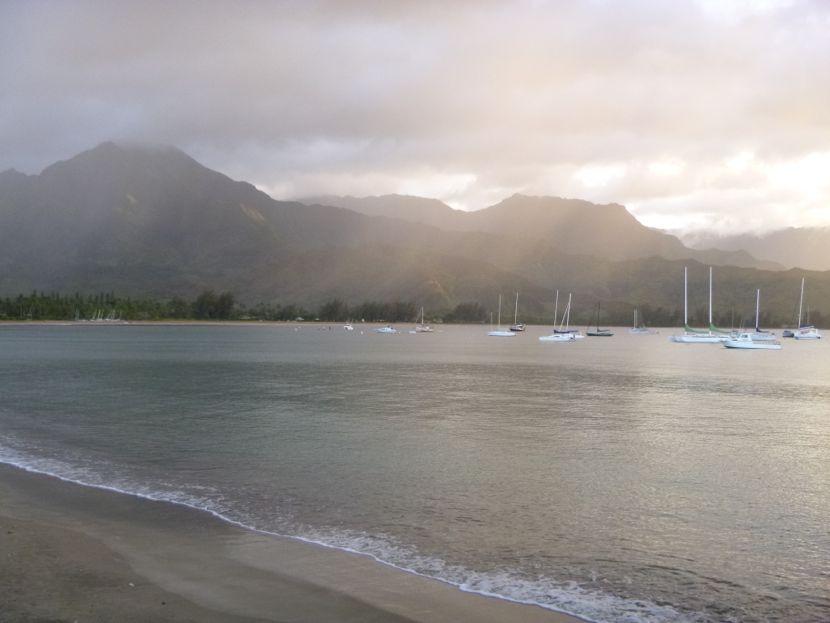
<point>72,553</point>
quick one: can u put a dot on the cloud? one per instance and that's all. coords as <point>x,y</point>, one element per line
<point>471,101</point>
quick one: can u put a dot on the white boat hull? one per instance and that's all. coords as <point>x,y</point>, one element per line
<point>694,338</point>
<point>558,337</point>
<point>500,333</point>
<point>746,341</point>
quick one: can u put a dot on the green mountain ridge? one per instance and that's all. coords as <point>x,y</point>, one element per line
<point>154,222</point>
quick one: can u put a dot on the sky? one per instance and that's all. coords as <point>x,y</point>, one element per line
<point>694,114</point>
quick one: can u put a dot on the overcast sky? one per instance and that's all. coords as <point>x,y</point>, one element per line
<point>692,113</point>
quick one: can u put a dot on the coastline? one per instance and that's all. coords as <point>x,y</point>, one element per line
<point>72,552</point>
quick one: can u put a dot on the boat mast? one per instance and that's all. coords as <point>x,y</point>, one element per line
<point>686,297</point>
<point>757,308</point>
<point>556,309</point>
<point>499,321</point>
<point>710,297</point>
<point>800,302</point>
<point>516,310</point>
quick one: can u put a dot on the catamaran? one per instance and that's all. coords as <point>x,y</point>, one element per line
<point>499,332</point>
<point>697,336</point>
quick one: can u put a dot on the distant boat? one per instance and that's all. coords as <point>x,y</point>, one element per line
<point>805,331</point>
<point>499,332</point>
<point>564,333</point>
<point>348,326</point>
<point>760,335</point>
<point>640,329</point>
<point>599,332</point>
<point>516,326</point>
<point>697,336</point>
<point>748,342</point>
<point>387,329</point>
<point>421,327</point>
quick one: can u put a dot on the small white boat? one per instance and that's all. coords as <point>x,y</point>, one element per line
<point>387,329</point>
<point>422,327</point>
<point>807,333</point>
<point>499,332</point>
<point>746,341</point>
<point>348,327</point>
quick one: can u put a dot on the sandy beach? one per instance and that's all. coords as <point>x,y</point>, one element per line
<point>72,553</point>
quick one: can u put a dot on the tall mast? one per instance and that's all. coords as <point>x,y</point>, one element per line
<point>516,311</point>
<point>499,321</point>
<point>800,302</point>
<point>685,297</point>
<point>556,308</point>
<point>757,307</point>
<point>710,297</point>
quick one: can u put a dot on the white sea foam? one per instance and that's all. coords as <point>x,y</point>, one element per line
<point>546,592</point>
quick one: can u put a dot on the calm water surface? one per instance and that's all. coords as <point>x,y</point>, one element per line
<point>622,479</point>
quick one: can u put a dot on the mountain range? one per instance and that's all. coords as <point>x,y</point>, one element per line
<point>151,221</point>
<point>802,247</point>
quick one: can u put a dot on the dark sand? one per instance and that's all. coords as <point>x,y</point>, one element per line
<point>72,553</point>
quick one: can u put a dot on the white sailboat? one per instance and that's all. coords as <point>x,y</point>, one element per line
<point>516,326</point>
<point>759,335</point>
<point>422,327</point>
<point>387,329</point>
<point>697,336</point>
<point>806,331</point>
<point>747,341</point>
<point>640,329</point>
<point>564,333</point>
<point>499,332</point>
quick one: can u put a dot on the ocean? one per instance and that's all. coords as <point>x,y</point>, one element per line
<point>623,480</point>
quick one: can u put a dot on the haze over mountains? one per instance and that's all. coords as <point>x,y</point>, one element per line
<point>804,247</point>
<point>154,222</point>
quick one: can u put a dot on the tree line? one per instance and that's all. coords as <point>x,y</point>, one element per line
<point>211,305</point>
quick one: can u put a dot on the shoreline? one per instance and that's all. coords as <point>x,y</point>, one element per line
<point>80,552</point>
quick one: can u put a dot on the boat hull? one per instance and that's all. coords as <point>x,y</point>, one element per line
<point>751,345</point>
<point>558,337</point>
<point>698,339</point>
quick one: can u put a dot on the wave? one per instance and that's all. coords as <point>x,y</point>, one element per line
<point>507,584</point>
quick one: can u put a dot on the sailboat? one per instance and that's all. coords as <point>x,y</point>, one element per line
<point>564,333</point>
<point>421,327</point>
<point>517,326</point>
<point>499,332</point>
<point>599,332</point>
<point>759,335</point>
<point>806,331</point>
<point>697,336</point>
<point>640,329</point>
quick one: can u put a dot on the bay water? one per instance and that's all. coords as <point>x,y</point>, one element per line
<point>624,479</point>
